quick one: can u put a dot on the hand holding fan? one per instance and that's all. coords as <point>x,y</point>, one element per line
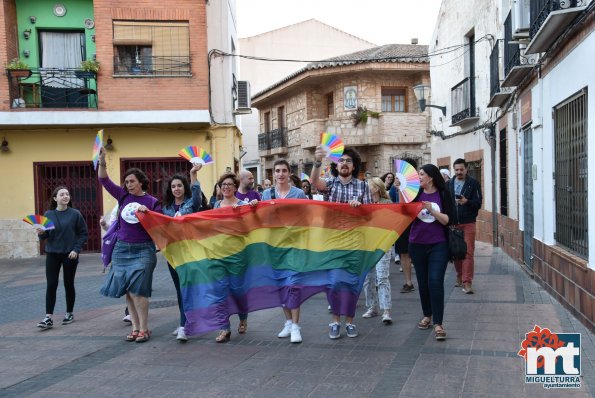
<point>408,178</point>
<point>305,176</point>
<point>195,154</point>
<point>333,145</point>
<point>39,222</point>
<point>97,145</point>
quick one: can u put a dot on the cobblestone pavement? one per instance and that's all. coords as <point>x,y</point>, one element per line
<point>90,357</point>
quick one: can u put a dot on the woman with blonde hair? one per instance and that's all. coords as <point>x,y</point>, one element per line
<point>377,285</point>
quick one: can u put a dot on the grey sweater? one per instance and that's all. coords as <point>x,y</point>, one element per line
<point>70,233</point>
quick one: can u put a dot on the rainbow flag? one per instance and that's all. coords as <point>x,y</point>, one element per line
<point>278,253</point>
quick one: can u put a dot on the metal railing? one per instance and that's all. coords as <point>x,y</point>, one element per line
<point>53,88</point>
<point>272,139</point>
<point>512,52</point>
<point>495,69</point>
<point>462,101</point>
<point>152,66</point>
<point>540,9</point>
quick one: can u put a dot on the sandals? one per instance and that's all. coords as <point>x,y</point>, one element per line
<point>143,335</point>
<point>424,323</point>
<point>243,326</point>
<point>133,335</point>
<point>439,333</point>
<point>223,337</point>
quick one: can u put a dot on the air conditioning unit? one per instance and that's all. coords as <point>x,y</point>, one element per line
<point>244,101</point>
<point>520,19</point>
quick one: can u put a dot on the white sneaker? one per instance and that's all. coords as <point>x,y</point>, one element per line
<point>296,335</point>
<point>127,319</point>
<point>286,332</point>
<point>386,318</point>
<point>181,334</point>
<point>372,312</point>
<point>175,332</point>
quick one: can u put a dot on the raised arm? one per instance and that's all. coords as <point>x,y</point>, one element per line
<point>318,182</point>
<point>102,169</point>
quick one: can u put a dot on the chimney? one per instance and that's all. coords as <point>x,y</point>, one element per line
<point>414,40</point>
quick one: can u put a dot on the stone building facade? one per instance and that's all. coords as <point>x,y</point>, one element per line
<point>295,111</point>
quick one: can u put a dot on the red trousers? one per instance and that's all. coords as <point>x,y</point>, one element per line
<point>465,267</point>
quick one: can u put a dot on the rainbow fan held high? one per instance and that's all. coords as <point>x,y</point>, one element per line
<point>195,154</point>
<point>408,178</point>
<point>333,145</point>
<point>97,145</point>
<point>39,221</point>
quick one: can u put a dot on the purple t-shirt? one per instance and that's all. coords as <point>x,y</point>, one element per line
<point>249,196</point>
<point>130,232</point>
<point>428,233</point>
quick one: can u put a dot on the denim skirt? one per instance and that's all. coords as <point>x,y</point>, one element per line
<point>131,270</point>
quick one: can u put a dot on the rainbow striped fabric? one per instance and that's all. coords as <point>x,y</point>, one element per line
<point>277,253</point>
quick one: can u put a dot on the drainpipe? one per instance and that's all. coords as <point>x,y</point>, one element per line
<point>494,185</point>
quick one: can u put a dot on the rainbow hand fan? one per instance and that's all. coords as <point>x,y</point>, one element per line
<point>333,145</point>
<point>409,179</point>
<point>39,221</point>
<point>96,147</point>
<point>304,176</point>
<point>195,154</point>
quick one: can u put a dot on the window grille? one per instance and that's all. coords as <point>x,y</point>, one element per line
<point>158,171</point>
<point>503,173</point>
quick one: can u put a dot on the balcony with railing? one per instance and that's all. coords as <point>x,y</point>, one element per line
<point>498,95</point>
<point>272,142</point>
<point>462,99</point>
<point>516,64</point>
<point>52,88</point>
<point>549,19</point>
<point>151,66</point>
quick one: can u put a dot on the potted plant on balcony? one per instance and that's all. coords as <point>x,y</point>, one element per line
<point>361,115</point>
<point>18,68</point>
<point>88,69</point>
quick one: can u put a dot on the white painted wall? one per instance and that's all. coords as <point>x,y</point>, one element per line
<point>573,73</point>
<point>308,40</point>
<point>221,31</point>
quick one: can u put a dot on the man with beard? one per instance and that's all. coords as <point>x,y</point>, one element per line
<point>246,191</point>
<point>342,187</point>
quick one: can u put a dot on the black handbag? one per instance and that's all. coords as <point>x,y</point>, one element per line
<point>456,243</point>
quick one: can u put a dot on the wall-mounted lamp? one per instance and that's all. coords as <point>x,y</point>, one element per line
<point>27,33</point>
<point>422,92</point>
<point>109,145</point>
<point>243,152</point>
<point>26,53</point>
<point>4,146</point>
<point>33,19</point>
<point>93,38</point>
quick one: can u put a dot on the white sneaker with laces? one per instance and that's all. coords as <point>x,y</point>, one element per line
<point>175,332</point>
<point>181,334</point>
<point>286,332</point>
<point>372,312</point>
<point>296,335</point>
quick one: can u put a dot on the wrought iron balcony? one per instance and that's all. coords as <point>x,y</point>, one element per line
<point>273,140</point>
<point>498,96</point>
<point>143,66</point>
<point>549,18</point>
<point>516,65</point>
<point>463,102</point>
<point>53,88</point>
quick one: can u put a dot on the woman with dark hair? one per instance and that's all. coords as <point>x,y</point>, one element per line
<point>295,181</point>
<point>307,188</point>
<point>428,246</point>
<point>180,199</point>
<point>133,258</point>
<point>229,184</point>
<point>62,247</point>
<point>388,179</point>
<point>217,195</point>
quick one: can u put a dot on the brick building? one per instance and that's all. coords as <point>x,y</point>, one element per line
<point>324,96</point>
<point>151,96</point>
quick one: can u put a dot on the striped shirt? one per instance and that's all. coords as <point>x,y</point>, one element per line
<point>342,193</point>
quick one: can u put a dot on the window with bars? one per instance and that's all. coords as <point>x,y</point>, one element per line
<point>393,100</point>
<point>571,172</point>
<point>158,171</point>
<point>503,174</point>
<point>151,48</point>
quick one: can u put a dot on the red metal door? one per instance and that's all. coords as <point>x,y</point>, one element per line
<point>85,193</point>
<point>158,171</point>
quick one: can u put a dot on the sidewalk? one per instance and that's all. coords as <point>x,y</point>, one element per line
<point>90,357</point>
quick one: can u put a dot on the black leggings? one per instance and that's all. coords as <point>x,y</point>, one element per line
<point>53,262</point>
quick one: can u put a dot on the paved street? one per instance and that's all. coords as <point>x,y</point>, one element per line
<point>90,357</point>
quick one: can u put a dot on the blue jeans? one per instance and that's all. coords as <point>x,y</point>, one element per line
<point>430,263</point>
<point>176,279</point>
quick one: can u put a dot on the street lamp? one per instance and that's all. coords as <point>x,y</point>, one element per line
<point>422,92</point>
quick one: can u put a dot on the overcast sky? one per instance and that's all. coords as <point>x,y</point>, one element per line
<point>377,21</point>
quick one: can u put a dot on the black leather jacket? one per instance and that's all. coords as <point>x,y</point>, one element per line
<point>467,213</point>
